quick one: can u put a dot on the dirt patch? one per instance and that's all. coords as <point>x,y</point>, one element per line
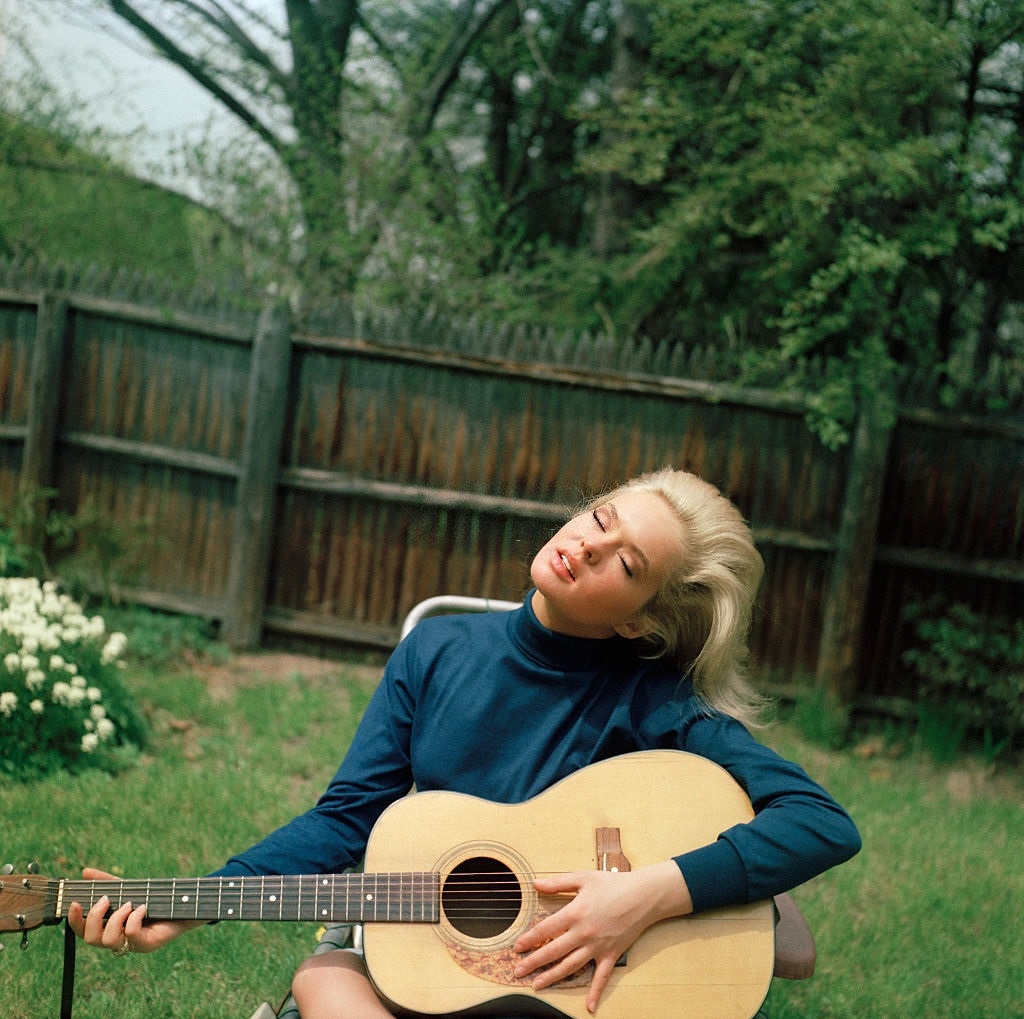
<point>261,667</point>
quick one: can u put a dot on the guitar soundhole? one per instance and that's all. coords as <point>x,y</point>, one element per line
<point>481,897</point>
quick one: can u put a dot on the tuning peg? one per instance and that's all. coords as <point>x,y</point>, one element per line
<point>33,868</point>
<point>24,940</point>
<point>7,868</point>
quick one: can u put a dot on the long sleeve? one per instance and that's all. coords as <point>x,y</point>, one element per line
<point>798,831</point>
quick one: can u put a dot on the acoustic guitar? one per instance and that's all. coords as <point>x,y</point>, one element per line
<point>448,888</point>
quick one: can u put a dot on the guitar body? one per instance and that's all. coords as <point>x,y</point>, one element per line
<point>716,965</point>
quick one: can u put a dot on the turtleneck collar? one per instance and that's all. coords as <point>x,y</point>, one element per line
<point>559,651</point>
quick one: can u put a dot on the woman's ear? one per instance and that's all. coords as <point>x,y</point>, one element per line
<point>632,628</point>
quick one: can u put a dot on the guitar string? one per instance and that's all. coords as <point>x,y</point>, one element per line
<point>465,898</point>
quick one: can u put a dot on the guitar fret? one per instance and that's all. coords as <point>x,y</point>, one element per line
<point>371,898</point>
<point>328,911</point>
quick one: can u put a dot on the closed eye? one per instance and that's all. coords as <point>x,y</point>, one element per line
<point>600,524</point>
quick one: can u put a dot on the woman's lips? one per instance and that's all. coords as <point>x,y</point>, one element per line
<point>563,567</point>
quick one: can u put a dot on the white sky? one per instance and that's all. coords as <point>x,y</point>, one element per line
<point>121,85</point>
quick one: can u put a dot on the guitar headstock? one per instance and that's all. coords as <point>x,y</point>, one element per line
<point>24,899</point>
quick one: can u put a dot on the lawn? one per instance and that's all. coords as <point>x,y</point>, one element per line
<point>926,922</point>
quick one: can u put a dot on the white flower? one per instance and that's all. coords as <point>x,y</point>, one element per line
<point>62,694</point>
<point>114,648</point>
<point>44,633</point>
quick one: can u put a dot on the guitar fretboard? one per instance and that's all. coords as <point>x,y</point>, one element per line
<point>338,898</point>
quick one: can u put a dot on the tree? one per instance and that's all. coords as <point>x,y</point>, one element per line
<point>836,182</point>
<point>309,82</point>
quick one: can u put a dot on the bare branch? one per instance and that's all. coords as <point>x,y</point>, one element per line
<point>471,24</point>
<point>196,69</point>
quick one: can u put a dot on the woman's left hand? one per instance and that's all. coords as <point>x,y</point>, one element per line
<point>607,913</point>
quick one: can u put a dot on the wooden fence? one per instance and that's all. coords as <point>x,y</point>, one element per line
<point>320,480</point>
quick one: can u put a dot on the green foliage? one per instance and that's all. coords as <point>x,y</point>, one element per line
<point>63,706</point>
<point>162,640</point>
<point>89,553</point>
<point>820,717</point>
<point>14,556</point>
<point>970,671</point>
<point>942,730</point>
<point>817,183</point>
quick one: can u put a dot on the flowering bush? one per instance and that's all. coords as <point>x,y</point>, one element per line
<point>62,702</point>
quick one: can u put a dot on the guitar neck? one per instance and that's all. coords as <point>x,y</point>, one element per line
<point>328,898</point>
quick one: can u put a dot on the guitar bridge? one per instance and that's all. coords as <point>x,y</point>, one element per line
<point>610,857</point>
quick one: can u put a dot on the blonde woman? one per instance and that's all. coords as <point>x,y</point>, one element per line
<point>633,637</point>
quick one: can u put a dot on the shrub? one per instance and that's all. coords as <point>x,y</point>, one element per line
<point>970,668</point>
<point>62,702</point>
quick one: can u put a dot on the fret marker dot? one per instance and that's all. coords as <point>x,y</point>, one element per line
<point>184,898</point>
<point>323,912</point>
<point>369,898</point>
<point>273,898</point>
<point>231,912</point>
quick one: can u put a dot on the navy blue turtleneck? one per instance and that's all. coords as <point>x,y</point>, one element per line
<point>498,706</point>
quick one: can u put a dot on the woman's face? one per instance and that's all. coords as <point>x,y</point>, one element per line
<point>602,567</point>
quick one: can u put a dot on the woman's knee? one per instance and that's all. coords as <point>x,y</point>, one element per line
<point>335,984</point>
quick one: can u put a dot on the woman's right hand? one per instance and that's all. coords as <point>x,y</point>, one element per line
<point>126,929</point>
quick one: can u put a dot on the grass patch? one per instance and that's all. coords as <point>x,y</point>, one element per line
<point>232,757</point>
<point>922,924</point>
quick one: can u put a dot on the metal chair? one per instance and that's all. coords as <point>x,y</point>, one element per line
<point>795,952</point>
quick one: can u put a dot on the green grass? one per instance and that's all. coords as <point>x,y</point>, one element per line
<point>924,923</point>
<point>227,765</point>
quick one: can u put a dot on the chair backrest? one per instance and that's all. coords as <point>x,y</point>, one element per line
<point>447,603</point>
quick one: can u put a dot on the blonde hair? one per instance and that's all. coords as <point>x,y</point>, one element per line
<point>700,617</point>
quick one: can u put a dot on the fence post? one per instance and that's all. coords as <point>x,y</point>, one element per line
<point>43,411</point>
<point>843,622</point>
<point>249,557</point>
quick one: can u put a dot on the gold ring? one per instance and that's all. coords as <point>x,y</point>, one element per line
<point>124,948</point>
